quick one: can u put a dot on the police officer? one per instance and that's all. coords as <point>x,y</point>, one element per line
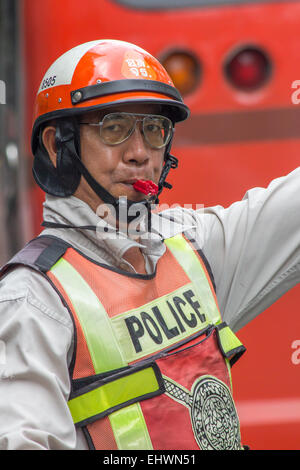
<point>118,321</point>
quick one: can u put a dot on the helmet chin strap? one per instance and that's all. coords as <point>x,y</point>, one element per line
<point>66,144</point>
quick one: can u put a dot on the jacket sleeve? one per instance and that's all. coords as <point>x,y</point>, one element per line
<point>36,336</point>
<point>253,248</point>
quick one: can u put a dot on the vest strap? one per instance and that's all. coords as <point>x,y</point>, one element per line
<point>104,396</point>
<point>40,254</point>
<point>51,254</point>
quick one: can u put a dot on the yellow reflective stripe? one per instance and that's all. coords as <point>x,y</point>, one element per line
<point>102,344</point>
<point>103,347</point>
<point>228,340</point>
<point>112,394</point>
<point>189,261</point>
<point>187,258</point>
<point>130,429</point>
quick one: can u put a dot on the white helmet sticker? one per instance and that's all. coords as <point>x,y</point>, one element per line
<point>62,70</point>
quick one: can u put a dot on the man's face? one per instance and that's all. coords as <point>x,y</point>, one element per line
<point>117,167</point>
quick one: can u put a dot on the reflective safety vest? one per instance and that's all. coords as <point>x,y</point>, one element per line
<point>152,357</point>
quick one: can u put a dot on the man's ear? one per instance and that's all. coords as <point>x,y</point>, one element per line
<point>48,138</point>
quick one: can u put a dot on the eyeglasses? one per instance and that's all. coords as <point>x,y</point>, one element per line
<point>115,128</point>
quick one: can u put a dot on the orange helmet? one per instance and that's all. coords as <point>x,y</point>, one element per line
<point>92,76</point>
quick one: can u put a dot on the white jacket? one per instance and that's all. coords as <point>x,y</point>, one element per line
<point>253,248</point>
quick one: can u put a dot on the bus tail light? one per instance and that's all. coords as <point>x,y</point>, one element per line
<point>248,69</point>
<point>184,70</point>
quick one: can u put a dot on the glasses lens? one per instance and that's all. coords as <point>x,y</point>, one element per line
<point>116,128</point>
<point>157,130</point>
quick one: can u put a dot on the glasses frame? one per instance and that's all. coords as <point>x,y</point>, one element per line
<point>139,118</point>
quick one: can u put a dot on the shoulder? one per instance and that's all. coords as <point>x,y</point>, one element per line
<point>195,221</point>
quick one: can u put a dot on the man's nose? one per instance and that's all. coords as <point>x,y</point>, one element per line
<point>136,150</point>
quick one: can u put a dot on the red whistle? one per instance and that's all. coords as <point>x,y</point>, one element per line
<point>146,187</point>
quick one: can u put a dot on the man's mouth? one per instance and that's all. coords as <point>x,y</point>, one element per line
<point>130,182</point>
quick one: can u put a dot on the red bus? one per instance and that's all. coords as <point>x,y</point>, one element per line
<point>237,64</point>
